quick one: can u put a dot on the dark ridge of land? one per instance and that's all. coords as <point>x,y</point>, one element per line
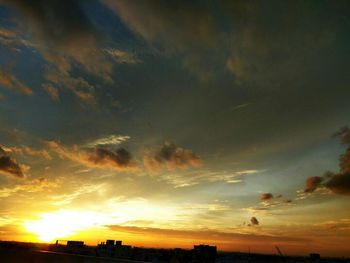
<point>22,252</point>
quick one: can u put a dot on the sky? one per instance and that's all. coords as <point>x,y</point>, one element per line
<point>173,123</point>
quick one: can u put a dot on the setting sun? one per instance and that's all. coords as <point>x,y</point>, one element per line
<point>61,224</point>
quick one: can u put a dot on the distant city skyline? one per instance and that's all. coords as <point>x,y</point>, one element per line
<point>175,123</point>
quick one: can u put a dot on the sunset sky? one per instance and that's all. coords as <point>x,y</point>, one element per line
<point>173,123</point>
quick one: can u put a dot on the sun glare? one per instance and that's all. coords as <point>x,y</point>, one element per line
<point>65,223</point>
<point>61,224</point>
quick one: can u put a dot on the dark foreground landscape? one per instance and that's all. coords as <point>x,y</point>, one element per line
<point>110,251</point>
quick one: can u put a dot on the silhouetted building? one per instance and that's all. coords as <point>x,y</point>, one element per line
<point>72,246</point>
<point>315,257</point>
<point>110,242</point>
<point>204,253</point>
<point>72,243</point>
<point>113,249</point>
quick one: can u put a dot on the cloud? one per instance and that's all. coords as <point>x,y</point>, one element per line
<point>26,150</point>
<point>61,71</point>
<point>33,186</point>
<point>159,22</point>
<point>266,196</point>
<point>231,36</point>
<point>171,156</point>
<point>203,234</point>
<point>10,39</point>
<point>10,167</point>
<point>344,134</point>
<point>312,183</point>
<point>63,34</point>
<point>344,162</point>
<point>119,160</point>
<point>12,83</point>
<point>58,77</point>
<point>121,56</point>
<point>98,156</point>
<point>8,150</point>
<point>109,140</point>
<point>187,28</point>
<point>254,221</point>
<point>270,204</point>
<point>52,91</point>
<point>57,22</point>
<point>204,176</point>
<point>83,189</point>
<point>339,224</point>
<point>37,153</point>
<point>338,183</point>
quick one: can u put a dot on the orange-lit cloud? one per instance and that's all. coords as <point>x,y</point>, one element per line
<point>254,221</point>
<point>11,82</point>
<point>170,156</point>
<point>26,150</point>
<point>66,40</point>
<point>10,167</point>
<point>62,79</point>
<point>338,183</point>
<point>231,239</point>
<point>266,196</point>
<point>122,57</point>
<point>66,23</point>
<point>109,140</point>
<point>32,186</point>
<point>312,183</point>
<point>52,91</point>
<point>120,160</point>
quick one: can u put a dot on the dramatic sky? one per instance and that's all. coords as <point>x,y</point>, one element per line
<point>171,123</point>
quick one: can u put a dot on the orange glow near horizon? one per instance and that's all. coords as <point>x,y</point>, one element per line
<point>92,228</point>
<point>63,224</point>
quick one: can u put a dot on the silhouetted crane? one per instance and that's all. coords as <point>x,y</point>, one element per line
<point>280,253</point>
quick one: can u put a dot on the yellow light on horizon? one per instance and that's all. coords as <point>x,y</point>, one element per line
<point>61,224</point>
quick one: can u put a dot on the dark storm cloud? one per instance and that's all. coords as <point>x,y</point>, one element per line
<point>266,196</point>
<point>338,183</point>
<point>56,21</point>
<point>170,155</point>
<point>9,166</point>
<point>254,221</point>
